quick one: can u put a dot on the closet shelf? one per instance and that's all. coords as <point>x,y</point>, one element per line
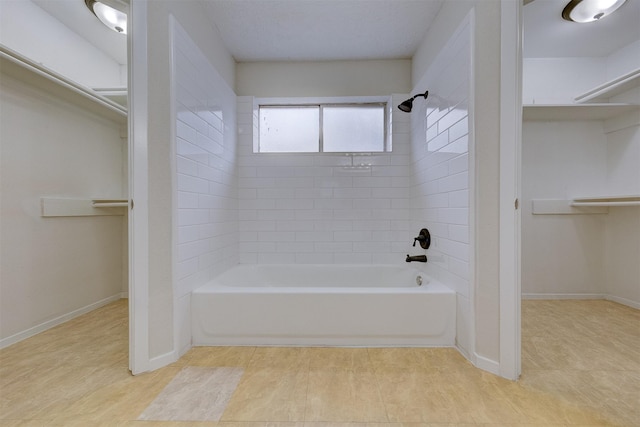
<point>611,88</point>
<point>633,200</point>
<point>555,112</point>
<point>115,94</point>
<point>563,207</point>
<point>57,206</point>
<point>582,205</point>
<point>24,69</point>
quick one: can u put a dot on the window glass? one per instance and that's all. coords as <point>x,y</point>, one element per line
<point>350,128</point>
<point>289,129</point>
<point>353,128</point>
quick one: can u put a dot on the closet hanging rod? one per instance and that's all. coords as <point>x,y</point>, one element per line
<point>603,203</point>
<point>110,203</point>
<point>59,79</point>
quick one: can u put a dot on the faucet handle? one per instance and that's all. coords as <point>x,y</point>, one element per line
<point>424,237</point>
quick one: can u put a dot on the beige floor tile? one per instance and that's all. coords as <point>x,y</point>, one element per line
<point>578,353</point>
<point>23,423</point>
<point>344,395</point>
<point>426,360</point>
<point>164,424</point>
<point>261,424</point>
<point>435,425</point>
<point>408,406</point>
<point>343,358</point>
<point>120,400</point>
<point>581,367</point>
<point>233,357</point>
<point>41,394</point>
<point>280,357</point>
<point>195,394</point>
<point>393,358</point>
<point>269,394</point>
<point>342,424</point>
<point>609,401</point>
<point>445,360</point>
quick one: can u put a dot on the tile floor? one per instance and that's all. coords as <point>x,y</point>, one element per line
<point>581,367</point>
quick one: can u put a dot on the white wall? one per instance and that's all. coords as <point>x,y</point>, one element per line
<point>206,201</point>
<point>623,60</point>
<point>441,141</point>
<point>622,251</point>
<point>54,267</point>
<point>581,255</point>
<point>562,254</point>
<point>317,208</point>
<point>32,32</point>
<point>484,117</point>
<point>324,78</point>
<point>163,339</point>
<point>622,232</point>
<point>560,80</point>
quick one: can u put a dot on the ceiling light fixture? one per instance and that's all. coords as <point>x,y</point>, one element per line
<point>407,105</point>
<point>111,13</point>
<point>582,11</point>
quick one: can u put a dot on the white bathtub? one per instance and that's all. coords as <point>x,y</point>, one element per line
<point>333,305</point>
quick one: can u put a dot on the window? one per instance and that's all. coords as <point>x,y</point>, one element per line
<point>335,128</point>
<point>289,129</point>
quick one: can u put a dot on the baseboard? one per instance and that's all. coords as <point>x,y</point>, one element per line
<point>486,364</point>
<point>20,336</point>
<point>480,362</point>
<point>561,296</point>
<point>619,300</point>
<point>623,301</point>
<point>162,360</point>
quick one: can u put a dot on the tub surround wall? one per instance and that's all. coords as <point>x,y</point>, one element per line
<point>164,324</point>
<point>441,141</point>
<point>482,312</point>
<point>316,208</point>
<point>207,206</point>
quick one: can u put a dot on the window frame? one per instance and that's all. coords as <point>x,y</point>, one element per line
<point>321,103</point>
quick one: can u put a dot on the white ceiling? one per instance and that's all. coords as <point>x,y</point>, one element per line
<point>546,34</point>
<point>303,30</point>
<point>298,30</point>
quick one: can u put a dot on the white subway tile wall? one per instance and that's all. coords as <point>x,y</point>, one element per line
<point>440,163</point>
<point>207,197</point>
<point>325,208</point>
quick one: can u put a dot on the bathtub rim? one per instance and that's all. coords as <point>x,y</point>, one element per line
<point>215,285</point>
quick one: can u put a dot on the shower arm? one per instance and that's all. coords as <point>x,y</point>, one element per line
<point>407,105</point>
<point>425,95</point>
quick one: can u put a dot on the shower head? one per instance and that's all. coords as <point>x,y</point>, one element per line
<point>407,105</point>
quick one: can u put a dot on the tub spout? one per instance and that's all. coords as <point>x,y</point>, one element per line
<point>418,258</point>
